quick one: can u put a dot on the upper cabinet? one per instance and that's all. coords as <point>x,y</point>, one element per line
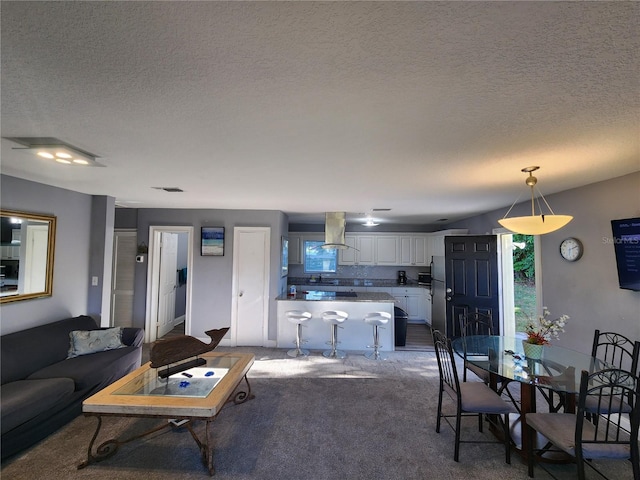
<point>415,250</point>
<point>362,251</point>
<point>383,249</point>
<point>295,249</point>
<point>387,250</point>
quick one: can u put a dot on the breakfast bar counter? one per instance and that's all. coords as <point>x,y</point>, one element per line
<point>354,334</point>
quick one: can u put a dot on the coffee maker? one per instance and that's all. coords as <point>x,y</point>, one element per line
<point>402,277</point>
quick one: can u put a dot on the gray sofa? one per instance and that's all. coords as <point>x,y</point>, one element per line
<point>42,389</point>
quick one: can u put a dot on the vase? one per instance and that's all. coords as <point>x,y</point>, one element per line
<point>532,351</point>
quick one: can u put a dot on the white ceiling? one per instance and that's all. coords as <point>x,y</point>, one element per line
<point>428,108</point>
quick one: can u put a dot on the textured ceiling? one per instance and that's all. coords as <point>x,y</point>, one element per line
<point>430,109</point>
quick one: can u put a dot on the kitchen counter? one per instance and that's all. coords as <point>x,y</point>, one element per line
<point>353,335</point>
<point>320,296</point>
<point>351,282</point>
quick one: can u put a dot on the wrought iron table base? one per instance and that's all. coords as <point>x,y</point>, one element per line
<point>110,447</point>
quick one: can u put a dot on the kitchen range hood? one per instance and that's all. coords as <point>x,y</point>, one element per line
<point>334,226</point>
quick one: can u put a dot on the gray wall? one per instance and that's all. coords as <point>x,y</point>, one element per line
<point>211,276</point>
<point>71,262</point>
<point>101,258</point>
<point>586,290</point>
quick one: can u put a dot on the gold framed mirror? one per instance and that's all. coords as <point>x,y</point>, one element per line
<point>27,246</point>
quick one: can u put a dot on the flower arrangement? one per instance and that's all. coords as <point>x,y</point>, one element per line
<point>546,329</point>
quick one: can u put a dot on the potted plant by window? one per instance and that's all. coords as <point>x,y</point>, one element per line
<point>540,333</point>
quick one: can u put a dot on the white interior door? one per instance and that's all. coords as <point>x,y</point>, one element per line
<point>124,266</point>
<point>168,275</point>
<point>34,265</point>
<point>250,309</point>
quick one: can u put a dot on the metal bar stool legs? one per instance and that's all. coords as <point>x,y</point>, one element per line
<point>298,318</point>
<point>377,319</point>
<point>334,318</point>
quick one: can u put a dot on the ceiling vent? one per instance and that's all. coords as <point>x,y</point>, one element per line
<point>169,189</point>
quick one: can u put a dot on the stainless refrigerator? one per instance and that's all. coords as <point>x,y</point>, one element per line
<point>438,295</point>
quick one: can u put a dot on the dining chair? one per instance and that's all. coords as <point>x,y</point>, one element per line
<point>471,399</point>
<point>474,324</point>
<point>477,323</point>
<point>616,350</point>
<point>608,438</point>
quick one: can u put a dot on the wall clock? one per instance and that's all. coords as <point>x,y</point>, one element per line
<point>571,249</point>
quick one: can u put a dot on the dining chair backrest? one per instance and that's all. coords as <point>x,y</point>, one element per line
<point>449,381</point>
<point>616,350</point>
<point>616,394</point>
<point>472,324</point>
<point>475,323</point>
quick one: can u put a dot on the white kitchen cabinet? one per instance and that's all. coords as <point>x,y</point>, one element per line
<point>414,250</point>
<point>10,252</point>
<point>413,300</point>
<point>361,253</point>
<point>421,253</point>
<point>348,255</point>
<point>366,254</point>
<point>295,249</point>
<point>387,250</point>
<point>406,246</point>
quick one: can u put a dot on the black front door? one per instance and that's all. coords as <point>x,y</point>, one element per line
<point>471,265</point>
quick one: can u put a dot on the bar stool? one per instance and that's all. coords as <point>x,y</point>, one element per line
<point>376,319</point>
<point>298,317</point>
<point>334,318</point>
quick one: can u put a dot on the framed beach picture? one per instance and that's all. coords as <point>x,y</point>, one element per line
<point>212,241</point>
<point>284,257</point>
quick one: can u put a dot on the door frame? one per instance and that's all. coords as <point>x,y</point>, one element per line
<point>128,232</point>
<point>505,277</point>
<point>265,283</point>
<point>153,279</point>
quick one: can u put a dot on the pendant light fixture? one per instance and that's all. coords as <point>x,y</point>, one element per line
<point>534,224</point>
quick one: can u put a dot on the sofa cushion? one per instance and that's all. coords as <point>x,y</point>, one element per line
<point>24,399</point>
<point>83,342</point>
<point>91,370</point>
<point>30,350</point>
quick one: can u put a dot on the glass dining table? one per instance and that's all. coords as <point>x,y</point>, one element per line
<point>557,371</point>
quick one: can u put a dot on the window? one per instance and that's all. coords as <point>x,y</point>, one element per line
<point>318,259</point>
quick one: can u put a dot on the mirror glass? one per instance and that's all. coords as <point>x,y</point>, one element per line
<point>27,244</point>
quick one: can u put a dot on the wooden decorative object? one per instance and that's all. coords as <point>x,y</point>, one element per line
<point>176,349</point>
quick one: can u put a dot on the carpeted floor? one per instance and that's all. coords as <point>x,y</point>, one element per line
<point>312,418</point>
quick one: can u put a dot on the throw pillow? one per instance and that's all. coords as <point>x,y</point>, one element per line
<point>84,342</point>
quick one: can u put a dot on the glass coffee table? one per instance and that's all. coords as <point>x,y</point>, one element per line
<point>182,398</point>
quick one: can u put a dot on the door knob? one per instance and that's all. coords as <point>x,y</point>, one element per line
<point>448,290</point>
<point>448,299</point>
<point>241,293</point>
